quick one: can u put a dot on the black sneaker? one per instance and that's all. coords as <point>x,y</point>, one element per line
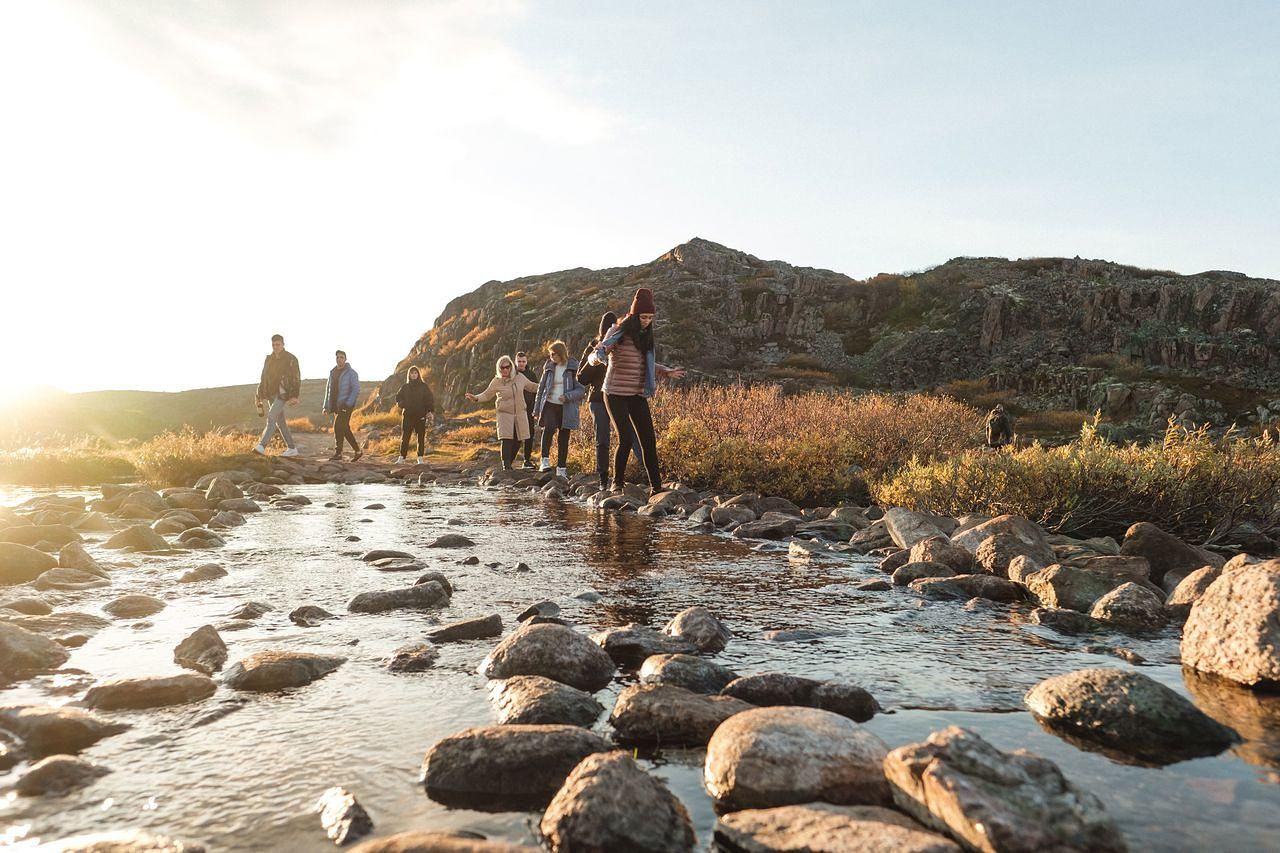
<point>356,458</point>
<point>337,457</point>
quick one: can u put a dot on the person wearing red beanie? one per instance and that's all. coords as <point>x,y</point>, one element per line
<point>629,382</point>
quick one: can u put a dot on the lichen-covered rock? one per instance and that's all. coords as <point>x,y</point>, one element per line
<point>781,756</point>
<point>534,700</point>
<point>1164,551</point>
<point>938,549</point>
<point>1234,629</point>
<point>609,803</point>
<point>824,828</point>
<point>1130,607</point>
<point>553,651</point>
<point>1127,715</point>
<point>997,802</point>
<point>911,571</point>
<point>664,714</point>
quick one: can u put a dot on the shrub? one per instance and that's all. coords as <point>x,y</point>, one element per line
<point>182,457</point>
<point>1051,422</point>
<point>1191,484</point>
<point>81,462</point>
<point>303,424</point>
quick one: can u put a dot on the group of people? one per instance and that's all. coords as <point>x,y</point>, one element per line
<point>617,375</point>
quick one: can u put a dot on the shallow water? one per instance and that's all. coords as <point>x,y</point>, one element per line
<point>247,780</point>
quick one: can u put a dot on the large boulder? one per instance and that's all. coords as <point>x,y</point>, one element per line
<point>1164,552</point>
<point>202,650</point>
<point>780,756</point>
<point>1190,590</point>
<point>133,606</point>
<point>22,564</point>
<point>221,489</point>
<point>609,803</point>
<point>939,549</point>
<point>688,671</point>
<point>46,730</point>
<point>1234,629</point>
<point>911,572</point>
<point>151,692</point>
<point>1033,538</point>
<point>999,551</point>
<point>276,670</point>
<point>768,689</point>
<point>663,714</point>
<point>824,828</point>
<point>699,626</point>
<point>418,597</point>
<point>23,652</point>
<point>74,556</point>
<point>1130,607</point>
<point>553,651</point>
<point>140,537</point>
<point>1127,715</point>
<point>907,527</point>
<point>58,775</point>
<point>995,801</point>
<point>500,768</point>
<point>534,700</point>
<point>630,645</point>
<point>33,534</point>
<point>778,526</point>
<point>1069,587</point>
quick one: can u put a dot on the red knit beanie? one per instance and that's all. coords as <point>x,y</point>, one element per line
<point>642,302</point>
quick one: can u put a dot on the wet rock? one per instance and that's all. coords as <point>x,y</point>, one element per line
<point>874,585</point>
<point>11,751</point>
<point>23,651</point>
<point>629,645</point>
<point>664,714</point>
<point>1070,622</point>
<point>1163,551</point>
<point>152,692</point>
<point>439,578</point>
<point>309,615</point>
<point>222,489</point>
<point>1253,714</point>
<point>769,689</point>
<point>125,841</point>
<point>998,552</point>
<point>476,628</point>
<point>502,767</point>
<point>688,671</point>
<point>239,505</point>
<point>1234,629</point>
<point>539,608</point>
<point>1121,568</point>
<point>225,519</point>
<point>1126,715</point>
<point>473,560</point>
<point>419,597</point>
<point>277,670</point>
<point>205,572</point>
<point>824,828</point>
<point>198,537</point>
<point>22,564</point>
<point>895,561</point>
<point>60,623</point>
<point>1190,590</point>
<point>723,516</point>
<point>74,556</point>
<point>69,580</point>
<point>588,595</point>
<point>768,757</point>
<point>46,730</point>
<point>534,700</point>
<point>437,842</point>
<point>396,564</point>
<point>908,527</point>
<point>847,700</point>
<point>57,776</point>
<point>699,626</point>
<point>29,606</point>
<point>609,803</point>
<point>137,538</point>
<point>203,650</point>
<point>777,527</point>
<point>1035,543</point>
<point>451,540</point>
<point>385,554</point>
<point>33,534</point>
<point>796,635</point>
<point>1069,587</point>
<point>938,549</point>
<point>552,651</point>
<point>93,522</point>
<point>414,657</point>
<point>1130,607</point>
<point>342,817</point>
<point>911,572</point>
<point>251,610</point>
<point>965,587</point>
<point>958,783</point>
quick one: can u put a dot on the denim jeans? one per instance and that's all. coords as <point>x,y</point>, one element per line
<point>277,420</point>
<point>600,417</point>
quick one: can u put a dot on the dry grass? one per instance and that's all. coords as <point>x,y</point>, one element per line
<point>58,461</point>
<point>171,458</point>
<point>181,458</point>
<point>303,425</point>
<point>374,420</point>
<point>1051,422</point>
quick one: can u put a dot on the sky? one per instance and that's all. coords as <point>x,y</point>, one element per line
<point>180,180</point>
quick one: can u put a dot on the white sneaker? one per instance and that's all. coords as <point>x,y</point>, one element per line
<point>545,464</point>
<point>399,460</point>
<point>421,461</point>
<point>292,451</point>
<point>562,473</point>
<point>260,450</point>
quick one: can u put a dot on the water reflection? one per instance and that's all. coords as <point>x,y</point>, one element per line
<point>1254,715</point>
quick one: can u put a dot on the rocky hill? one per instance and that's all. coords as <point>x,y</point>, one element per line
<point>1049,333</point>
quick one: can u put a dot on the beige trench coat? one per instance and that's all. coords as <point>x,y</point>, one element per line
<point>513,421</point>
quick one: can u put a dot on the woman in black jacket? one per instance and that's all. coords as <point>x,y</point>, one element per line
<point>416,404</point>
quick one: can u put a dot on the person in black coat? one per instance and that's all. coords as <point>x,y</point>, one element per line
<point>416,405</point>
<point>999,427</point>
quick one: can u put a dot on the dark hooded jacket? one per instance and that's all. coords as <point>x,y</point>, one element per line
<point>999,428</point>
<point>591,376</point>
<point>415,399</point>
<point>281,377</point>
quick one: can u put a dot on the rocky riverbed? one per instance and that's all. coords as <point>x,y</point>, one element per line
<point>340,671</point>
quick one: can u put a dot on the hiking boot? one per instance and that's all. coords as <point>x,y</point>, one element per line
<point>260,450</point>
<point>292,451</point>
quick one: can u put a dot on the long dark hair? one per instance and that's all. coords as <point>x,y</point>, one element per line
<point>642,338</point>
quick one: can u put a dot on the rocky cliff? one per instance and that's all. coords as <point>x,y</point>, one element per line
<point>1059,332</point>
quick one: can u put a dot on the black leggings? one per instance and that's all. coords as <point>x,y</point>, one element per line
<point>562,444</point>
<point>342,430</point>
<point>410,426</point>
<point>510,446</point>
<point>633,410</point>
